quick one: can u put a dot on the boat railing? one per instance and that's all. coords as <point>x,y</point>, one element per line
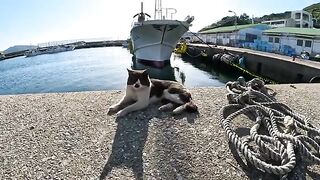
<point>167,12</point>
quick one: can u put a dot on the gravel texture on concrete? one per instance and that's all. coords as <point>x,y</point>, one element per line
<point>70,136</point>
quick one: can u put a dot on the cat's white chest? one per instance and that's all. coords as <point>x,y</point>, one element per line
<point>154,99</point>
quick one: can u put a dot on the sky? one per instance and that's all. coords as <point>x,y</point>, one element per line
<point>29,22</point>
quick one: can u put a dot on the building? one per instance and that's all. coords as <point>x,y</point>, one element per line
<point>280,23</point>
<point>233,35</point>
<point>292,40</point>
<point>300,19</point>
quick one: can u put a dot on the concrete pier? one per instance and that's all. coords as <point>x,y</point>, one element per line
<point>277,67</point>
<point>70,136</point>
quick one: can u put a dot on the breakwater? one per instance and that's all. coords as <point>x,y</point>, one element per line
<point>78,45</point>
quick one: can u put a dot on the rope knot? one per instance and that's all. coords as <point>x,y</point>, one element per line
<point>289,124</point>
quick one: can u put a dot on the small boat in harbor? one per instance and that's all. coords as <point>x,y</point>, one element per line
<point>49,50</point>
<point>2,56</point>
<point>153,41</point>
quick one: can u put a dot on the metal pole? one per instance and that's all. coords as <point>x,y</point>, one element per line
<point>155,9</point>
<point>235,20</point>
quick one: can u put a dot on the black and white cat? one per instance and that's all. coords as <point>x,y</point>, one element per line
<point>142,91</point>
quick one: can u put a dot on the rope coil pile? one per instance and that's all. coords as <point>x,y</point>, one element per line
<point>288,134</point>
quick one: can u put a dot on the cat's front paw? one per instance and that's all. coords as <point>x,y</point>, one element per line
<point>112,110</point>
<point>121,113</point>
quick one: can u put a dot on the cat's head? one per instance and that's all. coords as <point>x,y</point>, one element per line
<point>138,79</point>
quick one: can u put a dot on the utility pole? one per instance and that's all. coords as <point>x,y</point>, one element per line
<point>235,18</point>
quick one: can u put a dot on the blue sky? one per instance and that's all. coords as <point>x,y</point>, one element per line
<point>38,21</point>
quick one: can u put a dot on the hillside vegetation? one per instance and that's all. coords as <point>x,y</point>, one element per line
<point>314,9</point>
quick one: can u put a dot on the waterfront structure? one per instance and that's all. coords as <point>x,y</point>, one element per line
<point>298,39</point>
<point>234,35</point>
<point>299,19</point>
<point>154,40</point>
<point>190,37</point>
<point>49,50</point>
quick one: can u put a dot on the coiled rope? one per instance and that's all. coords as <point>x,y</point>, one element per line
<point>289,134</point>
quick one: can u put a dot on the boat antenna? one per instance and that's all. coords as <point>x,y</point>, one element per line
<point>141,7</point>
<point>155,9</point>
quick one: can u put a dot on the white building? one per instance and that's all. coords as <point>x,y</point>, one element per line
<point>280,23</point>
<point>286,39</point>
<point>233,35</point>
<point>300,19</point>
<point>303,19</point>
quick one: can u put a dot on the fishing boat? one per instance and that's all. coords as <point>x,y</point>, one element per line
<point>2,56</point>
<point>154,40</point>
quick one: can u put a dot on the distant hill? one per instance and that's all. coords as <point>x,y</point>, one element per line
<point>275,16</point>
<point>18,48</point>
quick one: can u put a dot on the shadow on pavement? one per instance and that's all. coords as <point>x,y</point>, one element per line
<point>130,139</point>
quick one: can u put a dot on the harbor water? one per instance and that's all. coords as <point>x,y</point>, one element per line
<point>96,69</point>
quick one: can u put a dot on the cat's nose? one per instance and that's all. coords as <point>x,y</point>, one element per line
<point>136,85</point>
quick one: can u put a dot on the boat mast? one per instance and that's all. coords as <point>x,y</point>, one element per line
<point>142,7</point>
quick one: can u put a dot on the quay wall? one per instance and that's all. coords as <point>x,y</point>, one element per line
<point>277,67</point>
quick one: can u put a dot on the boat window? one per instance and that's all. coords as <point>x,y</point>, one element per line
<point>307,44</point>
<point>299,42</point>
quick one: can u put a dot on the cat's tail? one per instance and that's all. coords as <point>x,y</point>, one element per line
<point>189,107</point>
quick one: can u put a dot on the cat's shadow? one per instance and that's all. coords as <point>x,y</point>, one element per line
<point>130,138</point>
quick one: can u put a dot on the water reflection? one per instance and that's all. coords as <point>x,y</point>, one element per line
<point>188,71</point>
<point>221,74</point>
<point>168,72</point>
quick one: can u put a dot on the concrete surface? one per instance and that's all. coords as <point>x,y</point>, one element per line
<point>70,136</point>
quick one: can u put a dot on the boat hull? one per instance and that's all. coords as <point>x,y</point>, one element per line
<point>155,40</point>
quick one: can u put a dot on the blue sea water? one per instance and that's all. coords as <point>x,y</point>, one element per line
<point>94,69</point>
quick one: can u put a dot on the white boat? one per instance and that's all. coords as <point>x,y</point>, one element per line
<point>49,50</point>
<point>154,40</point>
<point>2,56</point>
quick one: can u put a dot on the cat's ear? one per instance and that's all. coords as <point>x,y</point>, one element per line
<point>145,72</point>
<point>129,71</point>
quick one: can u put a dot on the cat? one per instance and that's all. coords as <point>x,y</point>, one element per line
<point>142,91</point>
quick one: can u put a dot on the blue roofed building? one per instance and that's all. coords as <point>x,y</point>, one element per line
<point>293,41</point>
<point>236,35</point>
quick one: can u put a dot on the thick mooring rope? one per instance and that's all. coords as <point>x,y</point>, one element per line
<point>289,134</point>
